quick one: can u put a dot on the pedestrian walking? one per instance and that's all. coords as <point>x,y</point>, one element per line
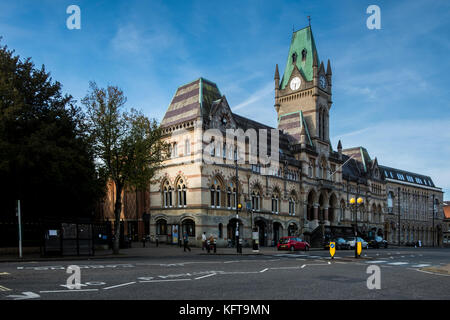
<point>186,242</point>
<point>203,241</point>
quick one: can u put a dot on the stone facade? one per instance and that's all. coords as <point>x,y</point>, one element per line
<point>305,192</point>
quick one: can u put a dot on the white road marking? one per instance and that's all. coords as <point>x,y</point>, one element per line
<point>421,265</point>
<point>264,270</point>
<point>208,275</point>
<point>74,290</point>
<point>303,266</point>
<point>377,261</point>
<point>436,274</point>
<point>398,263</point>
<point>2,288</point>
<point>119,285</point>
<point>231,261</point>
<point>26,295</point>
<point>4,273</point>
<point>165,280</point>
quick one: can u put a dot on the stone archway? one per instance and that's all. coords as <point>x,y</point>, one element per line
<point>333,209</point>
<point>277,231</point>
<point>261,225</point>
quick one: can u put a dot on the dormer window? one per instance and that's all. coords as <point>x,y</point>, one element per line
<point>304,52</point>
<point>294,57</point>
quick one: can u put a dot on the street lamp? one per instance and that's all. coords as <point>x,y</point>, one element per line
<point>355,204</point>
<point>432,230</point>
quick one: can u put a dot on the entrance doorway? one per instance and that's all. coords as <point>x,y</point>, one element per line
<point>262,231</point>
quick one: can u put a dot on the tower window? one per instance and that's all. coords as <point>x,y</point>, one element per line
<point>294,57</point>
<point>304,52</point>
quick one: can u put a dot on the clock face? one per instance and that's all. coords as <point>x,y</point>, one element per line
<point>295,83</point>
<point>323,82</point>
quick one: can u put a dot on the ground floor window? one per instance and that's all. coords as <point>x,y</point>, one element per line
<point>189,227</point>
<point>161,227</point>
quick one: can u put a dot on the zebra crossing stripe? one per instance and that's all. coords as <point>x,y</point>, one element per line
<point>2,288</point>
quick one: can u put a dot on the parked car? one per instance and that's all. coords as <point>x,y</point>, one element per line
<point>340,243</point>
<point>351,243</point>
<point>378,242</point>
<point>292,244</point>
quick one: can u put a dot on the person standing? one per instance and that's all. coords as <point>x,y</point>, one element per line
<point>203,241</point>
<point>186,242</point>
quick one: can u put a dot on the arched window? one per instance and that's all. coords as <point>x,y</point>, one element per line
<point>161,227</point>
<point>275,203</point>
<point>188,226</point>
<point>181,193</point>
<point>256,199</point>
<point>187,147</point>
<point>220,230</point>
<point>215,194</point>
<point>167,195</point>
<point>175,150</point>
<point>304,52</point>
<point>292,206</point>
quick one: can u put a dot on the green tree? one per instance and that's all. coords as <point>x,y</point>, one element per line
<point>46,156</point>
<point>128,145</point>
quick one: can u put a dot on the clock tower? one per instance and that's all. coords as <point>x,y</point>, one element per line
<point>303,95</point>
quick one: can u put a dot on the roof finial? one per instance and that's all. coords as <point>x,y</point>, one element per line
<point>309,20</point>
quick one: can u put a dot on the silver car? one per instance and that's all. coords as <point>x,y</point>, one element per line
<point>351,243</point>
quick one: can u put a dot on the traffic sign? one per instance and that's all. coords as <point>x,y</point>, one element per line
<point>332,249</point>
<point>358,248</point>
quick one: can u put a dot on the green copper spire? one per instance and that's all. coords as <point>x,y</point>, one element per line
<point>301,40</point>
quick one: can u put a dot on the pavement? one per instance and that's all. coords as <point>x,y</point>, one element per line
<point>164,250</point>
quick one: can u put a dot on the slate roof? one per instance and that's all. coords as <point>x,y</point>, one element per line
<point>191,101</point>
<point>406,176</point>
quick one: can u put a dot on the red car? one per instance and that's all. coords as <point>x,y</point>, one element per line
<point>292,244</point>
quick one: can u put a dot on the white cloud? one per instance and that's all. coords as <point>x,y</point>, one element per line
<point>262,93</point>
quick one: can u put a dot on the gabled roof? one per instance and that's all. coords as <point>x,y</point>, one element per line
<point>191,101</point>
<point>301,39</point>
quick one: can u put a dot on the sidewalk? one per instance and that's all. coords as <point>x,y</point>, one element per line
<point>150,251</point>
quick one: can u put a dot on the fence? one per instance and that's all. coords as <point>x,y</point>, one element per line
<point>64,237</point>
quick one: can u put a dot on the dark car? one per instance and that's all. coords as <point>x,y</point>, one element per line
<point>292,244</point>
<point>378,242</point>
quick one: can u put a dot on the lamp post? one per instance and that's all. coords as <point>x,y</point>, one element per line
<point>399,227</point>
<point>238,205</point>
<point>354,204</point>
<point>432,230</point>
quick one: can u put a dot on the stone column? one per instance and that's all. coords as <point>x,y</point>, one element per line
<point>325,216</point>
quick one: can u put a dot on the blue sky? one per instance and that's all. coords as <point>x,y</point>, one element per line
<point>390,86</point>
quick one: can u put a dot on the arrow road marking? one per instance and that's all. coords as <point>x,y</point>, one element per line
<point>26,295</point>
